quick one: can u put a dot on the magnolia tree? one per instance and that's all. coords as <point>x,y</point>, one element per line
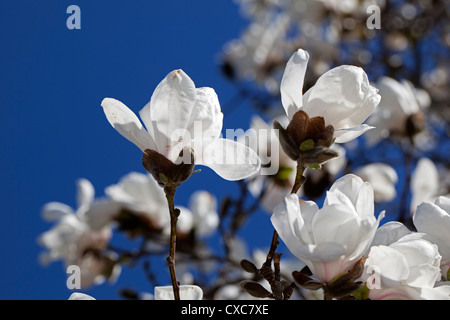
<point>309,166</point>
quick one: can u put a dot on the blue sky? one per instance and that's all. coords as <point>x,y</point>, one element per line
<point>53,129</point>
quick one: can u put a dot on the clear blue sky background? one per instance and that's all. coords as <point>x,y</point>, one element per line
<point>53,130</point>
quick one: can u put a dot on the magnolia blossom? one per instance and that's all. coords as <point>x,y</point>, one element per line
<point>74,241</point>
<point>382,177</point>
<point>403,265</point>
<point>187,292</point>
<point>181,116</point>
<point>433,219</point>
<point>343,96</point>
<point>332,239</point>
<point>140,194</point>
<point>399,101</point>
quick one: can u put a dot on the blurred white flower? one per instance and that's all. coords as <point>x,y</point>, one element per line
<point>76,242</point>
<point>383,179</point>
<point>180,116</point>
<point>141,194</point>
<point>260,51</point>
<point>80,296</point>
<point>403,266</point>
<point>343,96</point>
<point>399,101</point>
<point>187,292</point>
<point>433,219</point>
<point>332,239</point>
<point>203,206</point>
<point>424,183</point>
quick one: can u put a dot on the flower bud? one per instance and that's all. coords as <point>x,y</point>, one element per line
<point>248,266</point>
<point>165,172</point>
<point>255,289</point>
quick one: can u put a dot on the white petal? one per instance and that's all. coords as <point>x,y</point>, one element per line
<point>80,296</point>
<point>127,123</point>
<point>389,233</point>
<point>53,211</point>
<point>443,203</point>
<point>187,292</point>
<point>288,221</point>
<point>327,251</point>
<point>85,195</point>
<point>206,118</point>
<point>229,159</point>
<point>334,218</point>
<point>292,82</point>
<point>397,97</point>
<point>348,134</point>
<point>437,293</point>
<point>390,264</point>
<point>144,113</point>
<point>349,185</point>
<point>431,219</point>
<point>424,182</point>
<point>102,213</point>
<point>423,259</point>
<point>342,96</point>
<point>171,108</point>
<point>365,202</point>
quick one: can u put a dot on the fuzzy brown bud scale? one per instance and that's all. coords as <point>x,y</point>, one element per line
<point>165,172</point>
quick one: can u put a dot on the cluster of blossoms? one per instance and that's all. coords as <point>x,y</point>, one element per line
<point>336,31</point>
<point>136,205</point>
<point>343,250</point>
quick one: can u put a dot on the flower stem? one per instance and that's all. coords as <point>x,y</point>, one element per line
<point>299,179</point>
<point>174,213</point>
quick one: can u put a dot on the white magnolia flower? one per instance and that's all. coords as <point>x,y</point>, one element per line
<point>332,239</point>
<point>403,266</point>
<point>343,96</point>
<point>179,116</point>
<point>433,219</point>
<point>187,292</point>
<point>141,194</point>
<point>399,100</point>
<point>75,241</point>
<point>382,177</point>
